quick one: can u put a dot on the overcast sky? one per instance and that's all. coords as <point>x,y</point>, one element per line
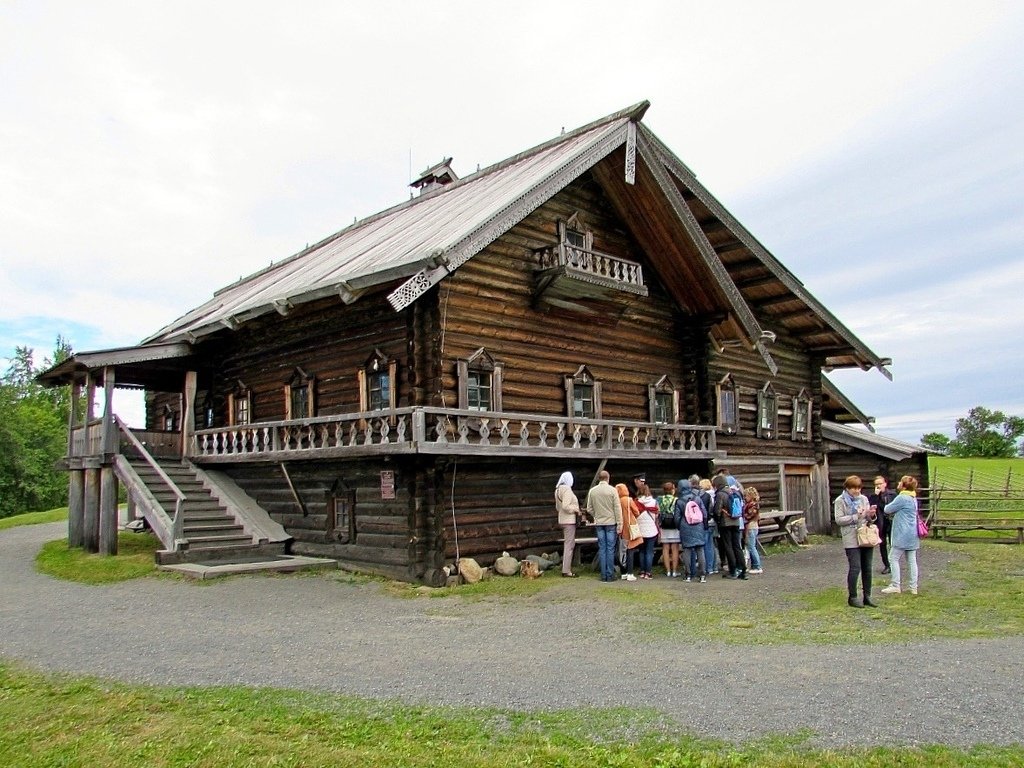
<point>151,153</point>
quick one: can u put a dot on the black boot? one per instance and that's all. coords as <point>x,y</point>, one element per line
<point>853,602</point>
<point>868,602</point>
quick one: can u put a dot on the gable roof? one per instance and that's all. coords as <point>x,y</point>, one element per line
<point>872,442</point>
<point>424,239</point>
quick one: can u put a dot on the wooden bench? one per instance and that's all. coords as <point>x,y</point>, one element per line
<point>773,524</point>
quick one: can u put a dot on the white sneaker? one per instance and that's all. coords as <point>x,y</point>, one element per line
<point>892,589</point>
<point>756,570</point>
<point>913,590</point>
<point>629,577</point>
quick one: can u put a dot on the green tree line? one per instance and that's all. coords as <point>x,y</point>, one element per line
<point>33,434</point>
<point>982,433</point>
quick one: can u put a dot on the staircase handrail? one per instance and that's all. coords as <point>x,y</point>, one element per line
<point>178,522</point>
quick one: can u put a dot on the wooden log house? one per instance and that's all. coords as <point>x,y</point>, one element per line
<point>409,389</point>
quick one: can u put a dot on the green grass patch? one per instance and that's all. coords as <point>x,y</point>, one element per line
<point>73,721</point>
<point>34,518</point>
<point>135,557</point>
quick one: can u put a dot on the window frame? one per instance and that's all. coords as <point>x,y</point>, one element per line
<point>582,377</point>
<point>378,364</point>
<point>300,384</point>
<point>767,412</point>
<point>661,388</point>
<point>480,363</point>
<point>801,408</point>
<point>726,388</point>
<point>239,401</point>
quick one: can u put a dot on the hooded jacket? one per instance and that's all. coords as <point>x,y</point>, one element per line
<point>689,535</point>
<point>629,513</point>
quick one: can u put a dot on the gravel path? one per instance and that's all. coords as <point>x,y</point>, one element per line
<point>323,633</point>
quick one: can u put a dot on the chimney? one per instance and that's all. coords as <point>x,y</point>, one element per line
<point>435,176</point>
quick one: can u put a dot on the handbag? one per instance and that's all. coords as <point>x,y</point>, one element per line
<point>922,528</point>
<point>634,531</point>
<point>867,536</point>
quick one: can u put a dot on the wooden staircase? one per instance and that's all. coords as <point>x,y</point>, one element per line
<point>210,531</point>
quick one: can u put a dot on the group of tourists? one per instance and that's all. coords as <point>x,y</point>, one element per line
<point>702,525</point>
<point>888,520</point>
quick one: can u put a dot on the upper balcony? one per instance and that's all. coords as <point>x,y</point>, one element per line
<point>449,431</point>
<point>567,274</point>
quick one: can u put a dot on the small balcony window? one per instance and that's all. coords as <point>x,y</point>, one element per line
<point>663,399</point>
<point>298,395</point>
<point>239,405</point>
<point>802,416</point>
<point>583,395</point>
<point>480,382</point>
<point>377,383</point>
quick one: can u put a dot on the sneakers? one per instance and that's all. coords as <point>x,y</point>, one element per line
<point>913,590</point>
<point>688,579</point>
<point>893,589</point>
<point>756,570</point>
<point>703,579</point>
<point>629,577</point>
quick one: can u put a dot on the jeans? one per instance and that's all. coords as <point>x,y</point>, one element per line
<point>755,558</point>
<point>647,554</point>
<point>696,553</point>
<point>894,562</point>
<point>859,561</point>
<point>568,546</point>
<point>709,550</point>
<point>606,539</point>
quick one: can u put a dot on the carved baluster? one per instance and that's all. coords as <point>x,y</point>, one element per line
<point>463,432</point>
<point>504,432</point>
<point>385,430</point>
<point>542,435</point>
<point>524,433</point>
<point>484,431</point>
<point>401,429</point>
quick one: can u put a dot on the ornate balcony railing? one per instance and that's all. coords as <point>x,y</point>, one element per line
<point>613,269</point>
<point>449,431</point>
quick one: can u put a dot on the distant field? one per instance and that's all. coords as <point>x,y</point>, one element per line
<point>982,474</point>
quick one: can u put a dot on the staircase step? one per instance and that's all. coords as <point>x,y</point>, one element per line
<point>206,542</point>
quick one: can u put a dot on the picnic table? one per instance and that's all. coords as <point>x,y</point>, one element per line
<point>774,524</point>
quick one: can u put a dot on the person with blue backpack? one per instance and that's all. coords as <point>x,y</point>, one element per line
<point>691,520</point>
<point>728,511</point>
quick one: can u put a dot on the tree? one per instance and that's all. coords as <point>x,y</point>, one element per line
<point>981,434</point>
<point>33,435</point>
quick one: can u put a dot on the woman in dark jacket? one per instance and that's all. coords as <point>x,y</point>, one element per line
<point>691,535</point>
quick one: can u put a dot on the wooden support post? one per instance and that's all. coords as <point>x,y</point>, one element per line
<point>188,415</point>
<point>107,543</point>
<point>132,512</point>
<point>76,507</point>
<point>109,433</point>
<point>73,416</point>
<point>91,518</point>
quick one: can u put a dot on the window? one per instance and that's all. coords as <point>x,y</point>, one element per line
<point>583,395</point>
<point>208,410</point>
<point>239,405</point>
<point>802,416</point>
<point>298,395</point>
<point>767,412</point>
<point>479,382</point>
<point>340,520</point>
<point>663,400</point>
<point>377,383</point>
<point>728,405</point>
<point>170,419</point>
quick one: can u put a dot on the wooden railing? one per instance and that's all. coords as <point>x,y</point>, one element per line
<point>450,431</point>
<point>603,265</point>
<point>86,440</point>
<point>170,530</point>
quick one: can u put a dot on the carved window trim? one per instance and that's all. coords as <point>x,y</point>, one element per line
<point>576,384</point>
<point>767,412</point>
<point>801,416</point>
<point>575,233</point>
<point>239,405</point>
<point>727,400</point>
<point>299,395</point>
<point>480,366</point>
<point>663,400</point>
<point>377,367</point>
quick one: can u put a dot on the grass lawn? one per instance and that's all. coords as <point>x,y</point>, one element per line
<point>135,557</point>
<point>68,721</point>
<point>34,518</point>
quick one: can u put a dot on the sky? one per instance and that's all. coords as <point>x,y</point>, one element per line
<point>151,153</point>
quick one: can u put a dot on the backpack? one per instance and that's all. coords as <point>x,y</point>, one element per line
<point>694,514</point>
<point>666,516</point>
<point>735,504</point>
